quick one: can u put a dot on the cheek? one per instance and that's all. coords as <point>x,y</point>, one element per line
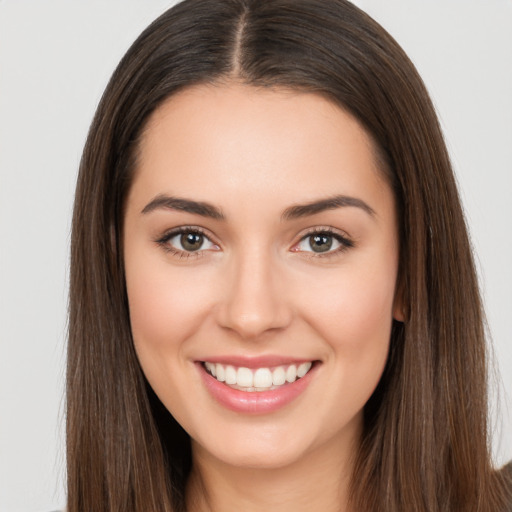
<point>166,304</point>
<point>355,318</point>
<point>353,310</point>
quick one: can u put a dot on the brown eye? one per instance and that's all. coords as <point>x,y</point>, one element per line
<point>191,241</point>
<point>184,241</point>
<point>321,242</point>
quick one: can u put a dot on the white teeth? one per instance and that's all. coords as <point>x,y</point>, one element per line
<point>259,379</point>
<point>278,376</point>
<point>303,369</point>
<point>220,373</point>
<point>262,378</point>
<point>291,373</point>
<point>230,375</point>
<point>244,378</point>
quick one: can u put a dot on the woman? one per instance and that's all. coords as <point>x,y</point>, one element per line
<point>273,299</point>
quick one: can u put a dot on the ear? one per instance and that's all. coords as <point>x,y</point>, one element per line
<point>398,312</point>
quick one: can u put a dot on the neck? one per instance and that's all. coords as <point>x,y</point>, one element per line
<point>317,481</point>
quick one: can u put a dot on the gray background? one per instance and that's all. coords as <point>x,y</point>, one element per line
<point>55,59</point>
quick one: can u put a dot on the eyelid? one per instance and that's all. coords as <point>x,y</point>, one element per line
<point>163,241</point>
<point>345,241</point>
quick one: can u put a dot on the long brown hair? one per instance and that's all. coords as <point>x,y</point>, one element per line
<point>425,440</point>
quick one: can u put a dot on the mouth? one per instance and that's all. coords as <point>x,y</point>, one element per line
<point>257,379</point>
<point>257,390</point>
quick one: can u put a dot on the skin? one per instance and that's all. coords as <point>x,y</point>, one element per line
<point>256,287</point>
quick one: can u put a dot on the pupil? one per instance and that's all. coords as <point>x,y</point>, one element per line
<point>191,241</point>
<point>320,243</point>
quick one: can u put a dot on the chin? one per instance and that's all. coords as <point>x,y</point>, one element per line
<point>253,454</point>
<point>267,444</point>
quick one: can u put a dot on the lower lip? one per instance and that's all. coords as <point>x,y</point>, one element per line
<point>255,402</point>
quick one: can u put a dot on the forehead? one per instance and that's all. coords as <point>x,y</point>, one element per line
<point>236,139</point>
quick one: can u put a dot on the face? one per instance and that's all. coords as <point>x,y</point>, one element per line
<point>260,245</point>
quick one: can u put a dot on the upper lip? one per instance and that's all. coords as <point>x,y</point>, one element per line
<point>264,361</point>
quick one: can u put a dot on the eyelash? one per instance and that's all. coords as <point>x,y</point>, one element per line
<point>345,242</point>
<point>163,241</point>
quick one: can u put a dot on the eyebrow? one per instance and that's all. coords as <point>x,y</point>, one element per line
<point>185,205</point>
<point>330,203</point>
<point>205,209</point>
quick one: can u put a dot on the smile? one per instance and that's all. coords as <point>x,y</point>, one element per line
<point>259,389</point>
<point>257,379</point>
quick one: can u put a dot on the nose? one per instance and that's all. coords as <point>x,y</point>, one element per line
<point>255,299</point>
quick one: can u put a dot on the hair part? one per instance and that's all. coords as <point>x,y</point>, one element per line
<point>425,441</point>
